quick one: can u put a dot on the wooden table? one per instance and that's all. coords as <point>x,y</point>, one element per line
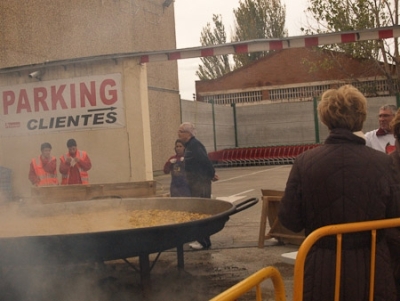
<point>270,207</point>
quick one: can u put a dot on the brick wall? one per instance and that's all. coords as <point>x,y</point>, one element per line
<point>295,67</point>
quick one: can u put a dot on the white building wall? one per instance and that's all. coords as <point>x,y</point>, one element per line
<point>117,154</point>
<point>34,33</point>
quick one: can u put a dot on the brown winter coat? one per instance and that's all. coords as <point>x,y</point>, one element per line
<point>393,235</point>
<point>343,181</point>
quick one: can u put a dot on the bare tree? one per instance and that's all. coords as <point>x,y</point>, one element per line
<point>255,19</point>
<point>258,19</point>
<point>344,15</point>
<point>213,66</point>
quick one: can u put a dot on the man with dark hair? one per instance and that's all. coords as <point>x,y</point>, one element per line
<point>43,169</point>
<point>199,171</point>
<point>74,165</point>
<point>381,139</point>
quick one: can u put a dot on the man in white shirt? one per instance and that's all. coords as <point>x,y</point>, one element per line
<point>382,138</point>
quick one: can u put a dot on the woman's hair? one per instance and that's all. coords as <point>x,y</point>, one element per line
<point>344,108</point>
<point>395,125</point>
<point>179,141</point>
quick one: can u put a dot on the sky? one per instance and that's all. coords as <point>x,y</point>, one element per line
<point>192,15</point>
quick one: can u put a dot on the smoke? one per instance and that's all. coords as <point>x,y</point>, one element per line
<point>98,282</point>
<point>58,282</point>
<point>35,266</point>
<point>38,262</point>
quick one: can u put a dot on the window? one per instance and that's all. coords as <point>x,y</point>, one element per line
<point>243,97</point>
<point>305,93</point>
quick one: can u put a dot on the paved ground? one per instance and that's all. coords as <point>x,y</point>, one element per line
<point>234,254</point>
<point>233,257</point>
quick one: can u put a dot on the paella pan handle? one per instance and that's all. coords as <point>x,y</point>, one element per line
<point>244,205</point>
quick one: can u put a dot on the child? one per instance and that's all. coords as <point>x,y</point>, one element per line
<point>176,166</point>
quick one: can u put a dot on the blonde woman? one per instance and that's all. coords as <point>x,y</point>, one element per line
<point>343,181</point>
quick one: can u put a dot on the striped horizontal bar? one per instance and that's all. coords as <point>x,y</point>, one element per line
<point>273,44</point>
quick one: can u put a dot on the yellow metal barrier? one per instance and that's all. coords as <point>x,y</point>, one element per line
<point>254,281</point>
<point>338,230</point>
<point>270,272</point>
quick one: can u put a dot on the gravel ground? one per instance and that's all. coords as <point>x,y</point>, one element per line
<point>206,274</point>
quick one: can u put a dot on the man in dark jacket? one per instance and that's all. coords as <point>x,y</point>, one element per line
<point>199,170</point>
<point>343,181</point>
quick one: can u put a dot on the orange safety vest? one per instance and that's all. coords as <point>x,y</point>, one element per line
<point>84,175</point>
<point>45,178</point>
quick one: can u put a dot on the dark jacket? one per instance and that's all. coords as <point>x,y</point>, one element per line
<point>393,235</point>
<point>395,155</point>
<point>199,168</point>
<point>339,182</point>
